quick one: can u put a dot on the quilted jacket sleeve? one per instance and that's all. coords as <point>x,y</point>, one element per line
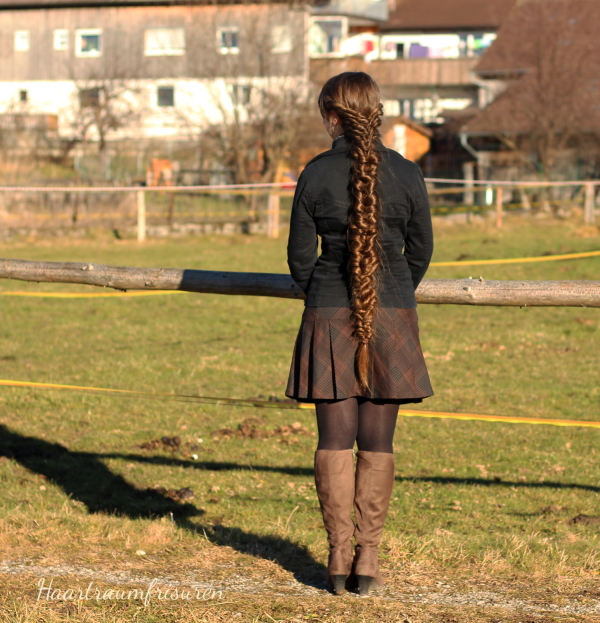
<point>418,244</point>
<point>302,242</point>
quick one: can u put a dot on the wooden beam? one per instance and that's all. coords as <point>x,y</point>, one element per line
<point>436,291</point>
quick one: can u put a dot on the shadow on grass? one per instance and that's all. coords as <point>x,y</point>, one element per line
<point>215,466</point>
<point>211,466</point>
<point>291,556</point>
<point>84,477</point>
<point>493,482</point>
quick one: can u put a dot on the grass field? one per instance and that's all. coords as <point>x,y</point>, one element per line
<point>480,526</point>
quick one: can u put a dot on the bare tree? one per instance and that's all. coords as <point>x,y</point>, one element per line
<point>103,107</point>
<point>547,52</point>
<point>257,86</point>
<point>256,134</point>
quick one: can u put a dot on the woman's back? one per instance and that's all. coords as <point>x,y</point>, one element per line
<point>357,355</point>
<point>322,207</point>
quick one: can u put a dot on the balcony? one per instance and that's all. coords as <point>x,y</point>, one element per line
<point>399,72</point>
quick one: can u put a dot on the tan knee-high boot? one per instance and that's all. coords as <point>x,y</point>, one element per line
<point>375,473</point>
<point>334,478</point>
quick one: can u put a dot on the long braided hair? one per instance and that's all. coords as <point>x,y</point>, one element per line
<point>354,96</point>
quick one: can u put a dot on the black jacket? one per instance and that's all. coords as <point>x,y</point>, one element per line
<point>321,208</point>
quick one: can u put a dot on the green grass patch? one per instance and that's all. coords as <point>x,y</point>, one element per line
<point>472,499</point>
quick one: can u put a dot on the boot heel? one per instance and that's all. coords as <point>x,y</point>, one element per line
<point>338,583</point>
<point>365,584</point>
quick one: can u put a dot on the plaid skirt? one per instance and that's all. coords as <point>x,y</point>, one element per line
<point>323,366</point>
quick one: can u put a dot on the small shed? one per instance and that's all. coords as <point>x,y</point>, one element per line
<point>407,137</point>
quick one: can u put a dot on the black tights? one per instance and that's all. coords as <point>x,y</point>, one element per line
<point>371,423</point>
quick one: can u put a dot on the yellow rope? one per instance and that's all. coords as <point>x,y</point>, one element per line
<point>249,402</point>
<point>89,295</point>
<point>518,260</point>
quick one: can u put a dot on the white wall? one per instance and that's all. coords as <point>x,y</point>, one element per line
<point>197,103</point>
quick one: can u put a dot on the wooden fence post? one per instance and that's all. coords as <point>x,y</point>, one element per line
<point>273,216</point>
<point>141,216</point>
<point>499,212</point>
<point>589,212</point>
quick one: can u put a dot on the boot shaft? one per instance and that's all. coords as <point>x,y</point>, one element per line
<point>375,476</point>
<point>335,482</point>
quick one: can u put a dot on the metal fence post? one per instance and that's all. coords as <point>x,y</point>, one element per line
<point>469,176</point>
<point>488,196</point>
<point>141,216</point>
<point>589,212</point>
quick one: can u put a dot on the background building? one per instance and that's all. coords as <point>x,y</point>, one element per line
<point>543,79</point>
<point>227,89</point>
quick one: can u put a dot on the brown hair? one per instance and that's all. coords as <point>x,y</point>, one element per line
<point>354,96</point>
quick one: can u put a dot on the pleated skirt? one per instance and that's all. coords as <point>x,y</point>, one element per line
<point>323,362</point>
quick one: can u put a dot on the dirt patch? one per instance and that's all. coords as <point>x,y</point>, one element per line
<point>179,495</point>
<point>250,429</point>
<point>584,520</point>
<point>165,443</point>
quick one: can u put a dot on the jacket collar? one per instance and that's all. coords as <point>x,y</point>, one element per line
<point>341,145</point>
<point>339,142</point>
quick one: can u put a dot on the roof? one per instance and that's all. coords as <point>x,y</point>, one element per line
<point>548,54</point>
<point>448,15</point>
<point>572,24</point>
<point>507,114</point>
<point>389,122</point>
<point>41,4</point>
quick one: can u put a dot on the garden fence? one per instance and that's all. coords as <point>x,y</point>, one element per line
<point>253,208</point>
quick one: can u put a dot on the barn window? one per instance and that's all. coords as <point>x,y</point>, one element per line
<point>89,98</point>
<point>164,42</point>
<point>240,94</point>
<point>88,42</point>
<point>23,95</point>
<point>61,39</point>
<point>166,96</point>
<point>227,40</point>
<point>21,41</point>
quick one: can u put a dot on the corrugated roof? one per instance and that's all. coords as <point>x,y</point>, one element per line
<point>448,15</point>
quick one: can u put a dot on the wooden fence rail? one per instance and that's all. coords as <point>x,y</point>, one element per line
<point>468,188</point>
<point>437,291</point>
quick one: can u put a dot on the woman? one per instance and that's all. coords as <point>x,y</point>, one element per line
<point>357,355</point>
